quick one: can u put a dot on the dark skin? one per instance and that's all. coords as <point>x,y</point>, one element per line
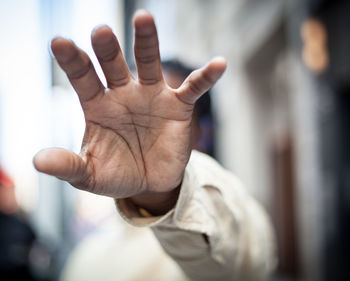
<point>137,139</point>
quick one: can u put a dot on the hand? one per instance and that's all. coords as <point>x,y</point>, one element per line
<point>137,135</point>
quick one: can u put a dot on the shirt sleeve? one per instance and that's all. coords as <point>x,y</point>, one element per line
<point>216,231</point>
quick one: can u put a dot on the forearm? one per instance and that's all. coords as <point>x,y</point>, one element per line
<point>216,231</point>
<point>217,238</point>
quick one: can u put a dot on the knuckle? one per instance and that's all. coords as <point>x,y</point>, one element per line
<point>195,88</point>
<point>107,56</point>
<point>147,59</point>
<point>207,78</point>
<point>80,72</point>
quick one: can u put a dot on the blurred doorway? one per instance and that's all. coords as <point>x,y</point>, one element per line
<point>273,142</point>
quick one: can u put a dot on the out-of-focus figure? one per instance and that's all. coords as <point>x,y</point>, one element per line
<point>24,256</point>
<point>16,235</point>
<point>203,134</point>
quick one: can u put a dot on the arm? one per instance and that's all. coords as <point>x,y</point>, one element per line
<point>216,231</point>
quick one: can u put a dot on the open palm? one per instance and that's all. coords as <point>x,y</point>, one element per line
<point>137,136</point>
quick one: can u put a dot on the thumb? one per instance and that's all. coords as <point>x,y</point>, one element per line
<point>201,80</point>
<point>62,164</point>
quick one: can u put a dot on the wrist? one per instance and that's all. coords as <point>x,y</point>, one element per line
<point>156,203</point>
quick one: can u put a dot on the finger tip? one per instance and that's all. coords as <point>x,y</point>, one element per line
<point>56,38</point>
<point>220,61</point>
<point>62,48</point>
<point>43,159</point>
<point>142,17</point>
<point>142,13</point>
<point>101,31</point>
<point>56,44</point>
<point>39,160</point>
<point>219,65</point>
<point>57,41</point>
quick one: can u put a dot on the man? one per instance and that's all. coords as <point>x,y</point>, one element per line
<point>137,149</point>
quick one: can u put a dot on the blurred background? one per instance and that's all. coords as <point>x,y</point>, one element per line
<point>281,111</point>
